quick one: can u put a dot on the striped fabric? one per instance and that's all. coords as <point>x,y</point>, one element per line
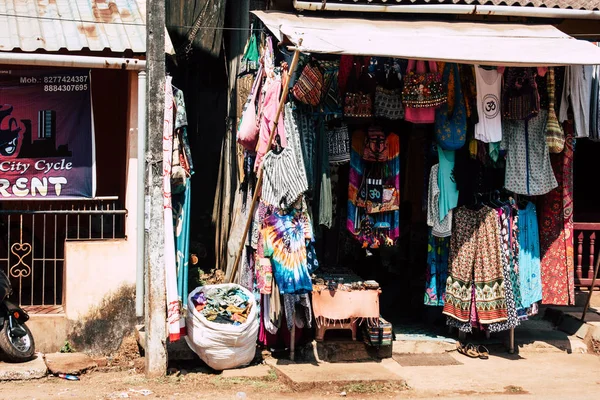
<point>283,180</point>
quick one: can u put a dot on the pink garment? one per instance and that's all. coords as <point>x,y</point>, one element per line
<point>425,115</point>
<point>269,110</point>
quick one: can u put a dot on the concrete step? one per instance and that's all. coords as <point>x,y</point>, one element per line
<point>33,369</point>
<point>334,376</point>
<point>49,331</point>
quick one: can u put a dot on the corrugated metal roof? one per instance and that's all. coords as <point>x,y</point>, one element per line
<point>52,25</point>
<point>589,5</point>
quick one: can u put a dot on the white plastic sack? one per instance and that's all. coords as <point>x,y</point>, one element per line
<point>222,346</point>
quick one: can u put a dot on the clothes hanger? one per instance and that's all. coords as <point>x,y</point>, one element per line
<point>278,148</point>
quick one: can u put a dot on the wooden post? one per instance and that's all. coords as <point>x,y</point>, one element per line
<point>260,169</point>
<point>511,341</point>
<point>156,309</point>
<point>589,299</point>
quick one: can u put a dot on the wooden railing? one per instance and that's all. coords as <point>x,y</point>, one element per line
<point>585,252</point>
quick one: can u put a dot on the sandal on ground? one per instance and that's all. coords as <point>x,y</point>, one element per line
<point>483,352</point>
<point>468,350</point>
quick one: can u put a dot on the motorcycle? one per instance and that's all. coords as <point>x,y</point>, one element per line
<point>16,340</point>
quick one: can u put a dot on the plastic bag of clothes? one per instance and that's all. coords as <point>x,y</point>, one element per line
<point>229,340</point>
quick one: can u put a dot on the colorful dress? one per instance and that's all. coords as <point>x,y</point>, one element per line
<point>528,168</point>
<point>285,240</point>
<point>356,214</point>
<point>437,271</point>
<point>555,213</point>
<point>529,257</point>
<point>508,272</point>
<point>475,257</point>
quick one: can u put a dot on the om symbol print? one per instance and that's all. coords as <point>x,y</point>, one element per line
<point>491,106</point>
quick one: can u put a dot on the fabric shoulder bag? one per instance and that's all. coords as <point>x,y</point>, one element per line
<point>555,136</point>
<point>451,126</point>
<point>423,89</point>
<point>388,97</point>
<point>308,89</point>
<point>358,102</point>
<point>247,132</point>
<point>520,97</point>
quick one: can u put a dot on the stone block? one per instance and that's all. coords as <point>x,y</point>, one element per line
<point>33,369</point>
<point>69,363</point>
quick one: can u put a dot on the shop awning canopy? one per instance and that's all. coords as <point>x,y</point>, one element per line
<point>481,43</point>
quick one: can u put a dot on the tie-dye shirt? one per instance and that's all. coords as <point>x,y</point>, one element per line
<point>285,240</point>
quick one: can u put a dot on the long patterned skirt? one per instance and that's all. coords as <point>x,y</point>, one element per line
<point>475,258</point>
<point>555,213</point>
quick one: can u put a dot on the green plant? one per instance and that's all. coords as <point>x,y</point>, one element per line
<point>67,348</point>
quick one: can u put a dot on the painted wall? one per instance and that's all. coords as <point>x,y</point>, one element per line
<point>99,276</point>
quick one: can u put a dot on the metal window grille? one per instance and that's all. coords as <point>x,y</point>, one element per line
<point>33,236</point>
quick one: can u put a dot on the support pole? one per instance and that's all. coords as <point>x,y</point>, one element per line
<point>293,336</point>
<point>589,299</point>
<point>260,169</point>
<point>140,212</point>
<point>511,341</point>
<point>156,309</point>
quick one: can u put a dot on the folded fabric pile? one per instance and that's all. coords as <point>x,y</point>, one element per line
<point>225,306</point>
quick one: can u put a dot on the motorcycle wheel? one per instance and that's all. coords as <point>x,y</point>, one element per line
<point>16,349</point>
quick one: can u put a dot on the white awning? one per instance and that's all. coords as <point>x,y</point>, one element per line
<point>481,43</point>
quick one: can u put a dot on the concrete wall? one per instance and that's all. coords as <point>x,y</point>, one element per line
<point>99,275</point>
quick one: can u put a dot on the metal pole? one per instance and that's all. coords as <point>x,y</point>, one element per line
<point>589,299</point>
<point>156,309</point>
<point>260,169</point>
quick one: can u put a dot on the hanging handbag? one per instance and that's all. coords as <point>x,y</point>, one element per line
<point>376,149</point>
<point>451,127</point>
<point>423,90</point>
<point>555,136</point>
<point>331,103</point>
<point>247,132</point>
<point>520,97</point>
<point>309,86</point>
<point>388,97</point>
<point>358,102</point>
<point>338,141</point>
<point>251,57</point>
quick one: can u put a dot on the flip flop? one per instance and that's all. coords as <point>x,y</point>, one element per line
<point>468,350</point>
<point>484,353</point>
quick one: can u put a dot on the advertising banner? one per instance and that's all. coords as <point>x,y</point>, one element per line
<point>46,135</point>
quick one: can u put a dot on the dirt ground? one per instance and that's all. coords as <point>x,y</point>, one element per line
<point>133,385</point>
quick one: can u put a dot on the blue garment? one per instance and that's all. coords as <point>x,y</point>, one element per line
<point>448,191</point>
<point>529,256</point>
<point>438,250</point>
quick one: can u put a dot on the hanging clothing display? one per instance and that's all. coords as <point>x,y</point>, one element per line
<point>174,318</point>
<point>577,93</point>
<point>441,227</point>
<point>489,84</point>
<point>181,197</point>
<point>283,179</point>
<point>448,198</point>
<point>357,213</point>
<point>529,256</point>
<point>475,258</point>
<point>285,237</point>
<point>595,104</point>
<point>555,214</point>
<point>507,223</point>
<point>438,249</point>
<point>528,168</point>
